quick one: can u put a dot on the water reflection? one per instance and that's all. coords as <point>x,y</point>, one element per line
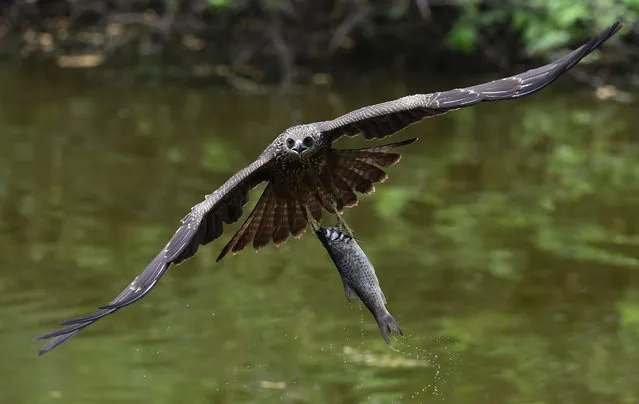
<point>505,242</point>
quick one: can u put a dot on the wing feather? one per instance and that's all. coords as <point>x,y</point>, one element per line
<point>135,291</point>
<point>314,206</point>
<point>202,225</point>
<point>387,118</point>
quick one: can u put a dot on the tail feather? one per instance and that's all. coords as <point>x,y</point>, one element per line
<point>307,192</point>
<point>249,227</point>
<point>316,196</point>
<point>281,229</point>
<point>348,171</point>
<point>296,218</point>
<point>328,199</point>
<point>315,207</point>
<point>273,218</point>
<point>244,236</point>
<point>233,241</point>
<point>327,193</point>
<point>264,232</point>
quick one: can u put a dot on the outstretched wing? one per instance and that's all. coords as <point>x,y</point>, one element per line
<point>204,223</point>
<point>140,287</point>
<point>201,226</point>
<point>380,120</point>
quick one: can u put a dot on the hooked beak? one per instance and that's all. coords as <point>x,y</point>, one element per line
<point>299,148</point>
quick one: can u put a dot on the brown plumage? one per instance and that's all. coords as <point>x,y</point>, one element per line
<point>332,189</point>
<point>304,171</point>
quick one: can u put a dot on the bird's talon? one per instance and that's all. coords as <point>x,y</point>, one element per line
<point>343,227</point>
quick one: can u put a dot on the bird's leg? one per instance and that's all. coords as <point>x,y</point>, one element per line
<point>341,224</point>
<point>311,220</point>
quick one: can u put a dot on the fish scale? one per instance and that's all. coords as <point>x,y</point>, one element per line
<point>358,276</point>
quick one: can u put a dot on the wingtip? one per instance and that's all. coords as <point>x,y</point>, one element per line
<point>48,347</point>
<point>594,42</point>
<point>606,34</point>
<point>616,26</point>
<point>48,335</point>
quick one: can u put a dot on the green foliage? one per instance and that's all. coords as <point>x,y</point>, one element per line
<point>544,25</point>
<point>462,37</point>
<point>219,3</point>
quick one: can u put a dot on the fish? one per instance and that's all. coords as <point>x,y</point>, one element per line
<point>358,276</point>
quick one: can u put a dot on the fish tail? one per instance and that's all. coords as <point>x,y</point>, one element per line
<point>388,324</point>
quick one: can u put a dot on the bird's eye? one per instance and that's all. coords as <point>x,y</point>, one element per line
<point>290,142</point>
<point>308,141</point>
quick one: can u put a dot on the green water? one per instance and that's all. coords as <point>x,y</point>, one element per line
<point>505,241</point>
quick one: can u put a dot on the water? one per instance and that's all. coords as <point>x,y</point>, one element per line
<point>505,240</point>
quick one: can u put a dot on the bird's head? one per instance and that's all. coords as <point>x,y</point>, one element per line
<point>301,141</point>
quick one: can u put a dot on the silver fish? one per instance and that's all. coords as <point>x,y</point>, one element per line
<point>358,276</point>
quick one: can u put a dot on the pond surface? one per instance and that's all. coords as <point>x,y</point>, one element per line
<point>506,242</point>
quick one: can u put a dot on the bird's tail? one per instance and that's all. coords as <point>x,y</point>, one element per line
<point>274,218</point>
<point>387,324</point>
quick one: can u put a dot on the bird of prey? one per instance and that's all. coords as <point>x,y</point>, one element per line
<point>307,175</point>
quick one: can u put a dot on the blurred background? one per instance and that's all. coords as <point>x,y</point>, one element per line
<point>505,240</point>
